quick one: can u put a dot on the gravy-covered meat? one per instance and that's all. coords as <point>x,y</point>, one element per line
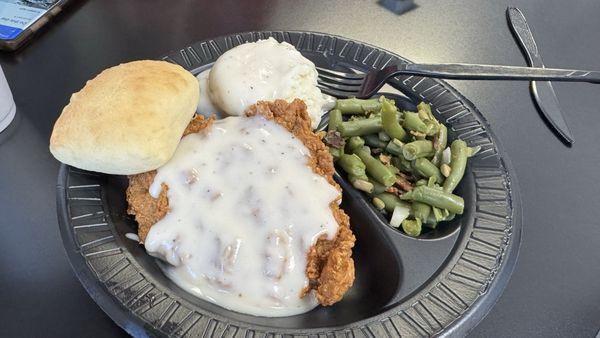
<point>329,266</point>
<point>147,209</point>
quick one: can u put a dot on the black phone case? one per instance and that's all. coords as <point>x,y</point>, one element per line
<point>29,32</point>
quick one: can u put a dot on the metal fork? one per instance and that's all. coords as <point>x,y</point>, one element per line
<point>365,85</point>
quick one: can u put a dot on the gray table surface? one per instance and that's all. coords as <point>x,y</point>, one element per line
<point>555,288</point>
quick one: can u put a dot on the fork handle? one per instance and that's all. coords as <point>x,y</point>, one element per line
<point>493,72</point>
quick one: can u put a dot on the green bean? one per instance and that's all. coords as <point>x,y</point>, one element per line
<point>417,149</point>
<point>433,126</point>
<point>378,203</point>
<point>420,182</point>
<point>363,185</point>
<point>389,121</point>
<point>472,151</point>
<point>435,198</point>
<point>394,147</point>
<point>335,118</point>
<point>335,153</point>
<point>393,169</point>
<point>430,222</point>
<point>443,215</point>
<point>399,115</point>
<point>412,227</point>
<point>378,188</point>
<point>440,141</point>
<point>413,122</point>
<point>437,214</point>
<point>353,166</point>
<point>458,163</point>
<point>355,169</point>
<point>428,169</point>
<point>391,201</point>
<point>360,127</point>
<point>402,164</point>
<point>357,106</point>
<point>425,109</point>
<point>353,143</point>
<point>375,168</point>
<point>420,210</point>
<point>383,136</point>
<point>374,141</point>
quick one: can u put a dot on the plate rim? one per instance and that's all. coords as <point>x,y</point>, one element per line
<point>475,312</point>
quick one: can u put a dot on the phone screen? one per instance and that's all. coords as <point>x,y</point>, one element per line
<point>17,15</point>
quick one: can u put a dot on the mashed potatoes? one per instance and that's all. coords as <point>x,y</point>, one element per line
<point>263,71</point>
<point>205,106</point>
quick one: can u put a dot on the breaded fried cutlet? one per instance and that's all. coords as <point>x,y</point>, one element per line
<point>147,209</point>
<point>330,268</point>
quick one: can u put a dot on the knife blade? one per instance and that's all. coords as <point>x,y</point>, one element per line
<point>542,91</point>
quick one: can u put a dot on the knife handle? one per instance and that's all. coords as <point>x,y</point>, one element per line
<point>463,71</point>
<point>522,32</point>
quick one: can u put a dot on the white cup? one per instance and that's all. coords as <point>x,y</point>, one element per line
<point>7,104</point>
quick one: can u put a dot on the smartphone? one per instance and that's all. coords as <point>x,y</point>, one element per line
<point>20,19</point>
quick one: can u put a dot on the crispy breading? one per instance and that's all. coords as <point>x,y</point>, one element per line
<point>330,268</point>
<point>146,209</point>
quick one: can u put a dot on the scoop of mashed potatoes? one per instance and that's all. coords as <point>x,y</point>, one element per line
<point>263,71</point>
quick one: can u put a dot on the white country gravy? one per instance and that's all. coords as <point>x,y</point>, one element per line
<point>245,208</point>
<point>262,71</point>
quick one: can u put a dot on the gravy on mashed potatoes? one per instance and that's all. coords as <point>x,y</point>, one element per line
<point>262,71</point>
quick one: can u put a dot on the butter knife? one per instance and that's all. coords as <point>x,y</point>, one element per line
<point>542,91</point>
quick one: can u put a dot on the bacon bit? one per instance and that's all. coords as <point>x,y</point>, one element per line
<point>392,190</point>
<point>403,175</point>
<point>334,139</point>
<point>404,184</point>
<point>385,159</point>
<point>409,177</point>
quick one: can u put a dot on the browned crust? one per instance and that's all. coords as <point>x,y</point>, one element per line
<point>330,267</point>
<point>146,209</point>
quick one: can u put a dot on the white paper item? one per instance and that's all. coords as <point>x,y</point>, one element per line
<point>7,104</point>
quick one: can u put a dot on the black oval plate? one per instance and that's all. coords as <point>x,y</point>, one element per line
<point>442,284</point>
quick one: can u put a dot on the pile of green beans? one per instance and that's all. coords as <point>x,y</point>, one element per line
<point>396,157</point>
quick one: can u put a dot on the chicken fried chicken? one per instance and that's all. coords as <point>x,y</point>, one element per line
<point>330,268</point>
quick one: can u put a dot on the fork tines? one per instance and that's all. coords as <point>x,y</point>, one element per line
<point>340,75</point>
<point>339,84</point>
